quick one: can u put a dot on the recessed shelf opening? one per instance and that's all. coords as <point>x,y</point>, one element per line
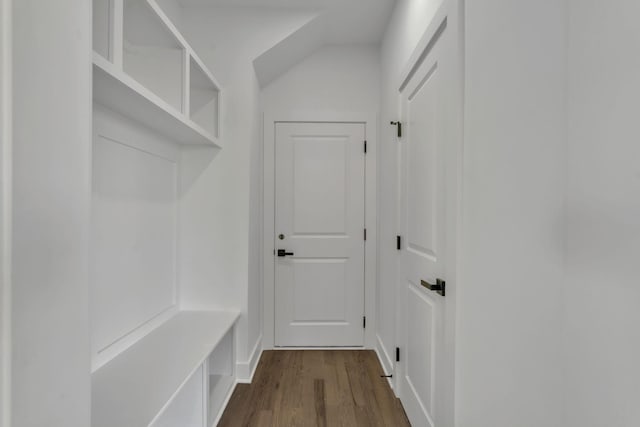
<point>204,99</point>
<point>151,54</point>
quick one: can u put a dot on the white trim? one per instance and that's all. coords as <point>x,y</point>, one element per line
<point>102,356</point>
<point>383,354</point>
<point>385,362</point>
<point>320,348</point>
<point>423,47</point>
<point>246,370</point>
<point>5,214</point>
<point>370,121</point>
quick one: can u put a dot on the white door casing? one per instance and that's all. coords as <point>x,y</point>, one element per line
<point>428,223</point>
<point>5,210</point>
<point>320,213</point>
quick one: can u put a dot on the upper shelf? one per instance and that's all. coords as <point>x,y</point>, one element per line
<point>145,70</point>
<point>119,92</point>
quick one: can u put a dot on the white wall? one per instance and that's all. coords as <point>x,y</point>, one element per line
<point>51,200</point>
<point>214,213</point>
<point>510,306</point>
<point>256,216</point>
<point>5,211</point>
<point>221,210</point>
<point>603,293</point>
<point>334,78</point>
<point>548,298</point>
<point>409,21</point>
<point>134,219</point>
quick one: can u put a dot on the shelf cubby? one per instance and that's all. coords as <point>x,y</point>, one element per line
<point>121,93</point>
<point>144,69</point>
<point>151,53</point>
<point>204,97</point>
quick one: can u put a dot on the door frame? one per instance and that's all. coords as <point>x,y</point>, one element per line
<point>370,121</point>
<point>5,210</point>
<point>450,15</point>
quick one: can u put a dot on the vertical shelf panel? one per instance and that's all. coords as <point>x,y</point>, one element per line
<point>186,409</point>
<point>220,371</point>
<point>102,25</point>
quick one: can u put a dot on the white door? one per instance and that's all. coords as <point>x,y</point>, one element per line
<point>428,157</point>
<point>319,225</point>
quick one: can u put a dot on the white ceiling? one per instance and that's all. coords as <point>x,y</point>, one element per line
<point>342,21</point>
<point>317,23</point>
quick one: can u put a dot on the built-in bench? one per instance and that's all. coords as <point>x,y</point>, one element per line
<point>178,375</point>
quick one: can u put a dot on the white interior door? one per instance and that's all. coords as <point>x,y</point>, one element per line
<point>427,159</point>
<point>319,224</point>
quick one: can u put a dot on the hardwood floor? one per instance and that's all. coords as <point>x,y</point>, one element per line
<point>323,388</point>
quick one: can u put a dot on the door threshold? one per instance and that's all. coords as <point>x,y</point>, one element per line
<point>319,348</point>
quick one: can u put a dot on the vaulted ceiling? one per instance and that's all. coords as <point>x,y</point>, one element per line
<point>343,21</point>
<point>326,22</point>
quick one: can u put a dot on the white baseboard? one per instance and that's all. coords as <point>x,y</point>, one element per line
<point>385,360</point>
<point>245,370</point>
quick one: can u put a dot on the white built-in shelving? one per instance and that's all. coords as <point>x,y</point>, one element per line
<point>153,363</point>
<point>144,69</point>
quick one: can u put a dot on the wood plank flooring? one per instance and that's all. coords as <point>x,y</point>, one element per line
<point>323,388</point>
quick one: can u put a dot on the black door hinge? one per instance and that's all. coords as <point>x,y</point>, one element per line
<point>399,126</point>
<point>364,322</point>
<point>365,147</point>
<point>398,242</point>
<point>397,354</point>
<point>365,234</point>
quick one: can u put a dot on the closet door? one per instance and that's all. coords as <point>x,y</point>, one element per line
<point>320,234</point>
<point>427,224</point>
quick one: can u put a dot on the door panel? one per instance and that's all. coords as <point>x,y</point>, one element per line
<point>320,215</point>
<point>420,311</point>
<point>424,197</point>
<point>319,292</point>
<point>320,185</point>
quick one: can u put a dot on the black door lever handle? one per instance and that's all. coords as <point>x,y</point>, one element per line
<point>438,287</point>
<point>283,252</point>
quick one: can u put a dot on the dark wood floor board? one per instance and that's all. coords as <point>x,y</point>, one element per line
<point>315,388</point>
<point>320,403</point>
<point>236,405</point>
<point>363,393</point>
<point>390,407</point>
